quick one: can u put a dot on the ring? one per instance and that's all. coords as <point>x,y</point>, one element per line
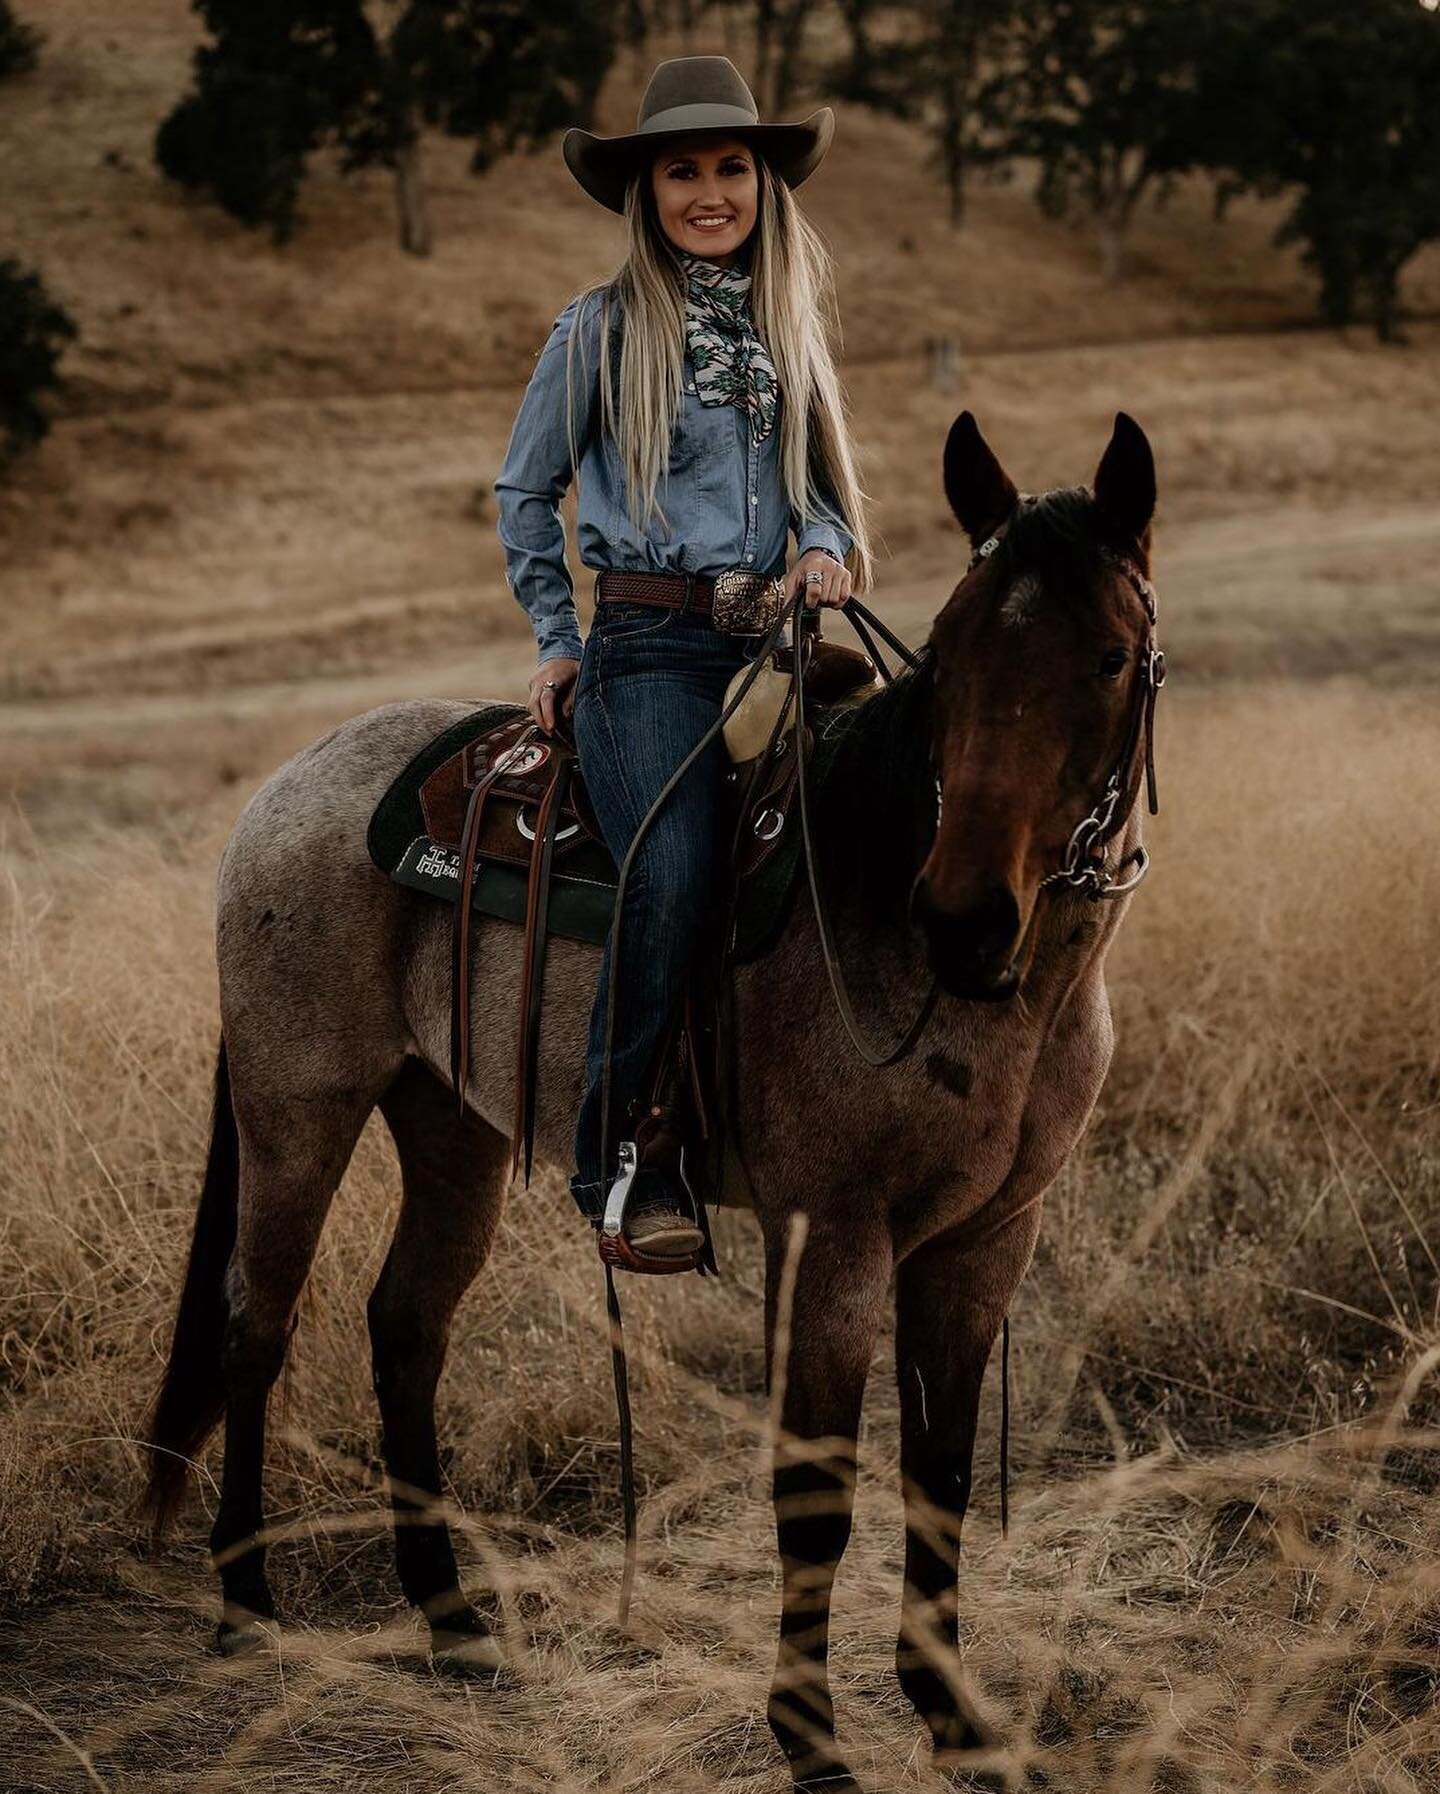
<point>814,577</point>
<point>551,685</point>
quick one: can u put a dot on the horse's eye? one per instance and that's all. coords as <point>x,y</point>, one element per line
<point>1113,663</point>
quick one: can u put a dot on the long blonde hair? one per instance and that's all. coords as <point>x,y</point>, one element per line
<point>792,302</point>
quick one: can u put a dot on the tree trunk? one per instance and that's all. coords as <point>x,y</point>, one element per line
<point>765,29</point>
<point>1112,246</point>
<point>952,151</point>
<point>415,237</point>
<point>859,75</point>
<point>793,20</point>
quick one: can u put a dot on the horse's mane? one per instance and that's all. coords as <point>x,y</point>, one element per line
<point>878,810</point>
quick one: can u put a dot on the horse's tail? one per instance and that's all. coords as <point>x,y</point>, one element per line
<point>191,1398</point>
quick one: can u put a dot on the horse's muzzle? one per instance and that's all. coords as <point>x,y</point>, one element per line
<point>971,950</point>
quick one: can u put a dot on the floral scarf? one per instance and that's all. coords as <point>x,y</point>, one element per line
<point>732,365</point>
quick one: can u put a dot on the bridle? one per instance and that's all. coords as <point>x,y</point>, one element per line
<point>1084,868</point>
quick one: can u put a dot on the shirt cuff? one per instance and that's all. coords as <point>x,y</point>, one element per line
<point>816,534</point>
<point>562,648</point>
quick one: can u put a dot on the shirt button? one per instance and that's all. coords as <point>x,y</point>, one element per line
<point>753,499</point>
<point>749,557</point>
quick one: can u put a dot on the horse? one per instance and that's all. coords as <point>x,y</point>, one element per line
<point>981,807</point>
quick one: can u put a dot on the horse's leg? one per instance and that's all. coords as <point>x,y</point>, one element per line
<point>292,1153</point>
<point>840,1286</point>
<point>454,1185</point>
<point>951,1298</point>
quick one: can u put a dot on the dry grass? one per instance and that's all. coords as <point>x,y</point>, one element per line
<point>1222,1571</point>
<point>263,509</point>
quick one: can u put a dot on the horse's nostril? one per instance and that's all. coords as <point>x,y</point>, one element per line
<point>972,944</point>
<point>993,922</point>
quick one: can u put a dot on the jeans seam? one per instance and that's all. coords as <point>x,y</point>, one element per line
<point>634,818</point>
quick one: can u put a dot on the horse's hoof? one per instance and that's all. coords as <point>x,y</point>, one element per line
<point>835,1781</point>
<point>465,1647</point>
<point>974,1769</point>
<point>242,1634</point>
<point>825,1774</point>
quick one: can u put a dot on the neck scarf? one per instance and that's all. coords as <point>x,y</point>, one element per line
<point>732,365</point>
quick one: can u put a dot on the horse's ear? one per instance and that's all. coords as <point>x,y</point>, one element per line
<point>979,490</point>
<point>1125,482</point>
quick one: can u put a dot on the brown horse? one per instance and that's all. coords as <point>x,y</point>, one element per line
<point>1027,718</point>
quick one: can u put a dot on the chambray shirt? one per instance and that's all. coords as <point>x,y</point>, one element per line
<point>722,493</point>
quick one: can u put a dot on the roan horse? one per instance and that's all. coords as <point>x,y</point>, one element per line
<point>947,832</point>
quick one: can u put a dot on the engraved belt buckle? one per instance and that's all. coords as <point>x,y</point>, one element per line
<point>746,603</point>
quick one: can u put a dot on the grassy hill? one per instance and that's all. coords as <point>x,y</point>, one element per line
<point>265,507</point>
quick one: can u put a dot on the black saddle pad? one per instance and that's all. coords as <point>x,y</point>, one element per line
<point>582,902</point>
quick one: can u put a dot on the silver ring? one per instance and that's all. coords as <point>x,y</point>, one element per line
<point>814,577</point>
<point>551,685</point>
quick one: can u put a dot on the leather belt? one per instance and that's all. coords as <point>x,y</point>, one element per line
<point>674,591</point>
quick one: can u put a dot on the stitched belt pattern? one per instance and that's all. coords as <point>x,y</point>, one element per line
<point>666,589</point>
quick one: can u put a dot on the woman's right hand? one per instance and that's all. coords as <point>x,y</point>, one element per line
<point>551,684</point>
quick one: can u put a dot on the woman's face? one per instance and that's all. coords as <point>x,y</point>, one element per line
<point>706,194</point>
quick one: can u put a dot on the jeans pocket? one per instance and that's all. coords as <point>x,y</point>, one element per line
<point>620,622</point>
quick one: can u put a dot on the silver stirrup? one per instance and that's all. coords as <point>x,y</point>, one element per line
<point>620,1190</point>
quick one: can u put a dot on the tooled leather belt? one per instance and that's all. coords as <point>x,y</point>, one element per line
<point>738,601</point>
<point>675,591</point>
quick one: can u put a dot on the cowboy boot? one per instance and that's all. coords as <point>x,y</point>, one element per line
<point>660,1218</point>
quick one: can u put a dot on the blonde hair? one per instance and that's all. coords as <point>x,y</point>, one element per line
<point>792,302</point>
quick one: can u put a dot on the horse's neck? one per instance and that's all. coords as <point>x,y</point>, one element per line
<point>877,814</point>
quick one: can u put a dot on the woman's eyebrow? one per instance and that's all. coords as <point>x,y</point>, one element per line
<point>690,161</point>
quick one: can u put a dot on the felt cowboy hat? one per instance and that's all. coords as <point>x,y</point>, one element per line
<point>695,96</point>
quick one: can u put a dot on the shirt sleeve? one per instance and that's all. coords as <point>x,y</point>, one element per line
<point>533,478</point>
<point>826,528</point>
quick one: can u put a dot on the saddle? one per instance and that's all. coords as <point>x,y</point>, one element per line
<point>493,817</point>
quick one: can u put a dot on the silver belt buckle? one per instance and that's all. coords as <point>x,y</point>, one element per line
<point>746,603</point>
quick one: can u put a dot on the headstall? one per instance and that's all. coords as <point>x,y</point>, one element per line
<point>1084,868</point>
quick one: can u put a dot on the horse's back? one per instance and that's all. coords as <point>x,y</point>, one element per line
<point>307,928</point>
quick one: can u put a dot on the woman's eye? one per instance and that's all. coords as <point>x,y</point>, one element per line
<point>1113,663</point>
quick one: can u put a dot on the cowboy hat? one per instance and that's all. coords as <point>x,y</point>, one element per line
<point>695,96</point>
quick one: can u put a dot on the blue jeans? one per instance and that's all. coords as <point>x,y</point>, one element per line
<point>651,683</point>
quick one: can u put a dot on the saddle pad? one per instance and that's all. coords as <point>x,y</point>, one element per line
<point>400,847</point>
<point>581,904</point>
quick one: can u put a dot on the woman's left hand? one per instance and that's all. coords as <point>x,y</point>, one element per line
<point>833,586</point>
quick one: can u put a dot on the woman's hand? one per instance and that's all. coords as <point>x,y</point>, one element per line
<point>833,586</point>
<point>552,683</point>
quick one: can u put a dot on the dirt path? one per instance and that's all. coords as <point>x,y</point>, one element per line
<point>1299,592</point>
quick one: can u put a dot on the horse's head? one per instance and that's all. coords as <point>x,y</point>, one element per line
<point>1043,672</point>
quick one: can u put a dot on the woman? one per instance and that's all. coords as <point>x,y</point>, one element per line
<point>709,425</point>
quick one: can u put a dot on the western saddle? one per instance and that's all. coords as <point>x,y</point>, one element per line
<point>493,816</point>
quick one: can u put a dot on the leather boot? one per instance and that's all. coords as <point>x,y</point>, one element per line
<point>660,1216</point>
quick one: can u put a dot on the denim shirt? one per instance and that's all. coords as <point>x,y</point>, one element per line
<point>722,493</point>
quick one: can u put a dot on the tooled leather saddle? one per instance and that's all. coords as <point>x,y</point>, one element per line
<point>493,816</point>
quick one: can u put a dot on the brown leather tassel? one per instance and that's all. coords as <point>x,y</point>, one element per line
<point>532,973</point>
<point>461,925</point>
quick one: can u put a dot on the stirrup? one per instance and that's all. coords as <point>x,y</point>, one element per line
<point>617,1251</point>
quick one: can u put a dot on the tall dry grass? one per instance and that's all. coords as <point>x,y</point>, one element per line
<point>1222,1570</point>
